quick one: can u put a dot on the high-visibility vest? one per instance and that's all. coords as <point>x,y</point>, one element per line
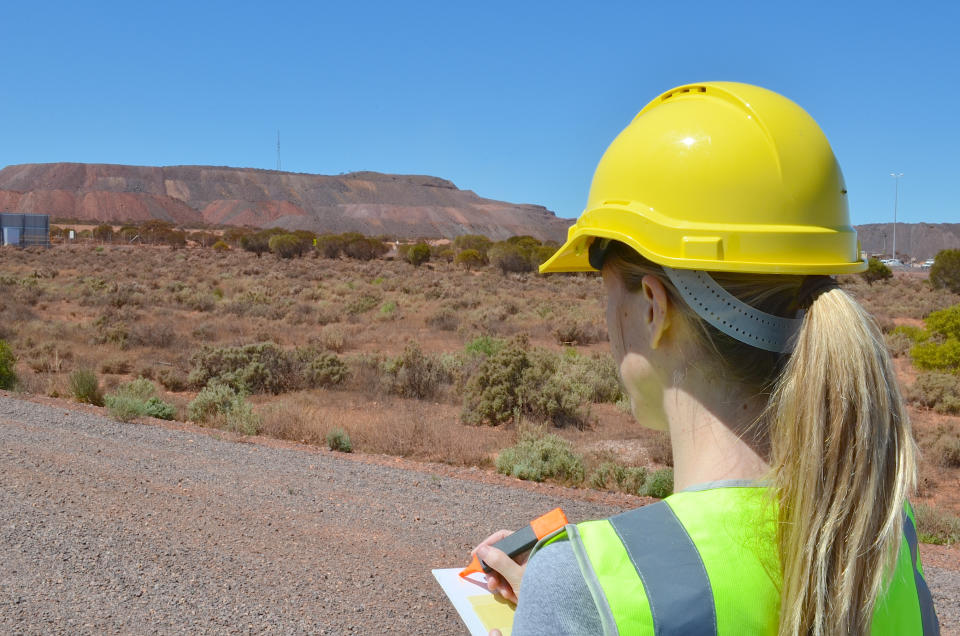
<point>705,562</point>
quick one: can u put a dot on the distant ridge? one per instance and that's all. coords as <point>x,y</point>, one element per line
<point>369,202</point>
<point>917,241</point>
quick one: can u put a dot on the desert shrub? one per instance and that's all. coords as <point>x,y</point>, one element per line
<point>597,373</point>
<point>936,526</point>
<point>937,356</point>
<point>219,403</point>
<point>470,259</point>
<point>362,304</point>
<point>474,243</point>
<point>612,475</point>
<point>876,271</point>
<point>898,343</point>
<point>491,395</point>
<point>85,387</point>
<point>445,254</point>
<point>331,338</point>
<point>388,310</point>
<point>8,377</point>
<point>172,380</point>
<point>579,332</point>
<point>221,246</point>
<point>329,245</point>
<point>285,245</point>
<point>418,254</point>
<point>138,398</point>
<point>510,257</point>
<point>444,319</point>
<point>339,440</point>
<point>548,394</point>
<point>938,391</point>
<point>362,248</point>
<point>537,458</point>
<point>115,367</point>
<point>323,369</point>
<point>103,232</point>
<point>413,374</point>
<point>947,450</point>
<point>945,271</point>
<point>161,335</point>
<point>945,322</point>
<point>486,345</point>
<point>256,368</point>
<point>257,243</point>
<point>659,484</point>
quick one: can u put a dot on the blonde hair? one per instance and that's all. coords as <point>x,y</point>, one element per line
<point>842,454</point>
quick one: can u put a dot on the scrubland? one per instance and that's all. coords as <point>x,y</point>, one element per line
<point>441,362</point>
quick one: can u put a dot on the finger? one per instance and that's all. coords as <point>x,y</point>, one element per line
<point>507,568</point>
<point>494,632</point>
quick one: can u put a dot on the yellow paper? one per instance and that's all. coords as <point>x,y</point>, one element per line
<point>494,612</point>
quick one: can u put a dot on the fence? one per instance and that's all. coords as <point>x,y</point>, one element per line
<point>25,230</point>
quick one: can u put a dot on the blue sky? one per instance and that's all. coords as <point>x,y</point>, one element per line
<point>514,100</point>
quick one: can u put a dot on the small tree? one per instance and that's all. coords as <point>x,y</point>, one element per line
<point>418,254</point>
<point>285,245</point>
<point>876,271</point>
<point>945,271</point>
<point>470,259</point>
<point>510,257</point>
<point>103,232</point>
<point>8,378</point>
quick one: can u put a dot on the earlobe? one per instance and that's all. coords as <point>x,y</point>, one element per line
<point>658,311</point>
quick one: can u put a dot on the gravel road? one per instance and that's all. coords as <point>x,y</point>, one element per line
<point>140,528</point>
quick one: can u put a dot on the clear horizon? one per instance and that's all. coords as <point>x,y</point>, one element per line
<point>516,103</point>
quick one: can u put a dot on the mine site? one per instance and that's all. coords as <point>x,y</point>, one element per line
<point>499,320</point>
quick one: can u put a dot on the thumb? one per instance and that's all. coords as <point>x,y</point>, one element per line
<point>499,561</point>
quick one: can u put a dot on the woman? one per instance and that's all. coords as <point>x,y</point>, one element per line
<point>717,218</point>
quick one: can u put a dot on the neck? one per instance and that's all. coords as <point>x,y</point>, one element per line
<point>711,433</point>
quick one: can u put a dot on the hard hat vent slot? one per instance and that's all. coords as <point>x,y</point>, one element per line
<point>685,89</point>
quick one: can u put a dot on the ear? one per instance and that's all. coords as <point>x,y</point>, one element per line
<point>657,313</point>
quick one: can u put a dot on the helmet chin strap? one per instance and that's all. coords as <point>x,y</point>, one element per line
<point>731,315</point>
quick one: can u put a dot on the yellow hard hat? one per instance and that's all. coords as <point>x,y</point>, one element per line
<point>720,176</point>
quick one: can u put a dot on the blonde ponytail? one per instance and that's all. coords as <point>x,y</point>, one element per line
<point>843,462</point>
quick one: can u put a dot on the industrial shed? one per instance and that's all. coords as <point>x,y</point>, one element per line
<point>24,230</point>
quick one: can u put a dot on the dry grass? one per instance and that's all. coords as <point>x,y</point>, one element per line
<point>129,311</point>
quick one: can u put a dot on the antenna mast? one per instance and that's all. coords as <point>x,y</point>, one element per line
<point>278,149</point>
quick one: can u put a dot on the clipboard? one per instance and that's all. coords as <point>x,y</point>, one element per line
<point>480,609</point>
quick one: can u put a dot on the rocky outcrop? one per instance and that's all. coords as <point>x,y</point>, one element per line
<point>368,202</point>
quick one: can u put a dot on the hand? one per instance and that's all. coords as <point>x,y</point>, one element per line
<point>505,579</point>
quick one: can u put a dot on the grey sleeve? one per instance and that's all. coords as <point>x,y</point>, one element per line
<point>554,598</point>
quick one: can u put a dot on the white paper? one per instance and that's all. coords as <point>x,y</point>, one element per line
<point>467,594</point>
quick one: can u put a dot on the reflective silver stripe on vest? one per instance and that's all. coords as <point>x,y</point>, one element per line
<point>668,563</point>
<point>931,627</point>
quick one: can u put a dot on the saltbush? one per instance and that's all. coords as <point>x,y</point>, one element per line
<point>659,484</point>
<point>339,440</point>
<point>945,271</point>
<point>266,368</point>
<point>85,387</point>
<point>537,458</point>
<point>938,391</point>
<point>492,394</point>
<point>220,403</point>
<point>948,451</point>
<point>414,374</point>
<point>138,398</point>
<point>936,526</point>
<point>8,377</point>
<point>615,476</point>
<point>939,356</point>
<point>876,271</point>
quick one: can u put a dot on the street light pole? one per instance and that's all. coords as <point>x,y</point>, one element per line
<point>896,196</point>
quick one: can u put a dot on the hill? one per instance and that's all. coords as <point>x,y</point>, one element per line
<point>368,202</point>
<point>917,241</point>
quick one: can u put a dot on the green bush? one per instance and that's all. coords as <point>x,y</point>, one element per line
<point>945,272</point>
<point>221,403</point>
<point>266,368</point>
<point>221,246</point>
<point>660,484</point>
<point>418,254</point>
<point>945,322</point>
<point>470,259</point>
<point>362,304</point>
<point>138,398</point>
<point>938,391</point>
<point>414,374</point>
<point>486,345</point>
<point>510,257</point>
<point>8,377</point>
<point>611,475</point>
<point>537,458</point>
<point>935,526</point>
<point>285,245</point>
<point>876,271</point>
<point>473,243</point>
<point>339,440</point>
<point>85,387</point>
<point>547,393</point>
<point>492,393</point>
<point>937,356</point>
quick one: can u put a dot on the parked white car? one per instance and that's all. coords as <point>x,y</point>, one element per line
<point>893,262</point>
<point>927,264</point>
